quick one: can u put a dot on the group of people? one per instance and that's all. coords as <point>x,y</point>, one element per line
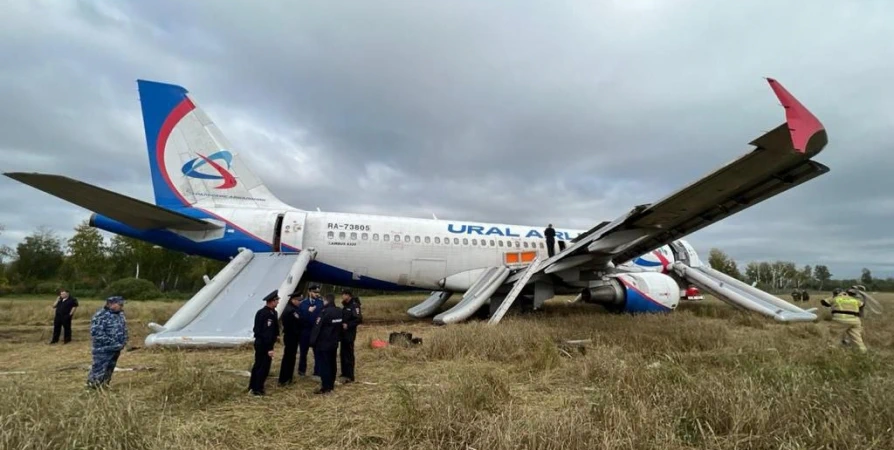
<point>317,323</point>
<point>108,333</point>
<point>308,323</point>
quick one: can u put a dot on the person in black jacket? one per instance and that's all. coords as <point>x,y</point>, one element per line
<point>324,339</point>
<point>291,332</point>
<point>65,306</point>
<point>352,317</point>
<point>266,332</point>
<point>550,234</point>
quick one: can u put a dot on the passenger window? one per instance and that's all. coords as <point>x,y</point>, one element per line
<point>474,241</point>
<point>417,239</point>
<point>341,235</point>
<point>364,236</point>
<point>386,237</point>
<point>396,238</point>
<point>526,244</point>
<point>375,236</point>
<point>407,238</point>
<point>517,244</point>
<point>330,235</point>
<point>465,241</point>
<point>353,236</point>
<point>501,243</point>
<point>492,244</point>
<point>541,245</point>
<point>427,240</point>
<point>455,241</point>
<point>437,240</point>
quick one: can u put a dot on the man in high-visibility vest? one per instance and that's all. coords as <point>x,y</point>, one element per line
<point>846,308</point>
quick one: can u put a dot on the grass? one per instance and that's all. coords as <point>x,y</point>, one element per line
<point>706,376</point>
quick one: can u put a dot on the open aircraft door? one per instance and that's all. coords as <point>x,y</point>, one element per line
<point>290,231</point>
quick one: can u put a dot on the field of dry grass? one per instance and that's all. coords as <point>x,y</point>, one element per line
<point>703,377</point>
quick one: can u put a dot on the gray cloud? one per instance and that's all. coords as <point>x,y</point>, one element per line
<point>527,112</point>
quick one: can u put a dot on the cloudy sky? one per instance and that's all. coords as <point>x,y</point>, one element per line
<point>522,112</point>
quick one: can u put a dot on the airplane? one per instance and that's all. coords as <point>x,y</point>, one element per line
<point>208,202</point>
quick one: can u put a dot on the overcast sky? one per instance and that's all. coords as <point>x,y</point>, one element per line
<point>509,111</point>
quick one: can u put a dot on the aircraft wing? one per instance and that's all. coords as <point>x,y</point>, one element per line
<point>781,161</point>
<point>127,210</point>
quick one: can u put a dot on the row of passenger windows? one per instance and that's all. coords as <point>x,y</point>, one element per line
<point>437,240</point>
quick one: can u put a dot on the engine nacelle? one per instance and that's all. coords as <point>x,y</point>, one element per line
<point>644,292</point>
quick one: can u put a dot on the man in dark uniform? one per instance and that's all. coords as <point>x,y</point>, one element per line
<point>550,234</point>
<point>291,331</point>
<point>308,311</point>
<point>351,318</point>
<point>324,339</point>
<point>266,332</point>
<point>65,306</point>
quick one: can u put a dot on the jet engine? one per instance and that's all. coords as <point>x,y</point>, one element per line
<point>643,292</point>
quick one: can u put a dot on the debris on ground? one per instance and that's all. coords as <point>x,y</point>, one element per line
<point>403,338</point>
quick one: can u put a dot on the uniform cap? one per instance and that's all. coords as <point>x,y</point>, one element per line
<point>851,291</point>
<point>314,287</point>
<point>115,299</point>
<point>271,296</point>
<point>295,294</point>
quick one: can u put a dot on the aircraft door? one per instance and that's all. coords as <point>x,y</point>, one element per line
<point>292,231</point>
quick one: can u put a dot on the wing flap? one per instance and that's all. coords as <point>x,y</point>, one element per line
<point>129,211</point>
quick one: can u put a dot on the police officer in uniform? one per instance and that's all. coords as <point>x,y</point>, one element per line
<point>550,234</point>
<point>324,339</point>
<point>308,311</point>
<point>291,332</point>
<point>266,332</point>
<point>352,317</point>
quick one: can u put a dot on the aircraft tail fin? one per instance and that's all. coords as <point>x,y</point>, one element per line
<point>192,163</point>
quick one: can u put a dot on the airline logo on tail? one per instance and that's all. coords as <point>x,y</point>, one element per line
<point>191,168</point>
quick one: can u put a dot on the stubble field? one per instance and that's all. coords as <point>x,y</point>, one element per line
<point>705,376</point>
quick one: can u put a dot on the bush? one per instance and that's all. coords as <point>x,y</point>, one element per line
<point>132,289</point>
<point>48,287</point>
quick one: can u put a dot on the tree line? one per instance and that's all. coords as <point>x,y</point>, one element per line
<point>784,276</point>
<point>90,266</point>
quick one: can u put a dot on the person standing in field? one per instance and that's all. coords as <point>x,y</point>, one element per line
<point>846,310</point>
<point>65,307</point>
<point>108,330</point>
<point>266,333</point>
<point>325,338</point>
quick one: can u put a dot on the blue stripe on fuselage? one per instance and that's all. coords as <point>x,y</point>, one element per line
<point>645,262</point>
<point>228,246</point>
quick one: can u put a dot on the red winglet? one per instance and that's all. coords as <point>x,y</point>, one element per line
<point>802,124</point>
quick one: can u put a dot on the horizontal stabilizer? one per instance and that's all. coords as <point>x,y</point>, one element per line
<point>129,211</point>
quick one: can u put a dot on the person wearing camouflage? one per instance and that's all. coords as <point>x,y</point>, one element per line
<point>108,329</point>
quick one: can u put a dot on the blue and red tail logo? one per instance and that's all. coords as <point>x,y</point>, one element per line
<point>191,168</point>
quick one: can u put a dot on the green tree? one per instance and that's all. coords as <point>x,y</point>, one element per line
<point>822,275</point>
<point>88,253</point>
<point>807,277</point>
<point>40,255</point>
<point>753,272</point>
<point>866,277</point>
<point>721,262</point>
<point>132,258</point>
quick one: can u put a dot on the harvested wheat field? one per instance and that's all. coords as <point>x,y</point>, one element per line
<point>703,377</point>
